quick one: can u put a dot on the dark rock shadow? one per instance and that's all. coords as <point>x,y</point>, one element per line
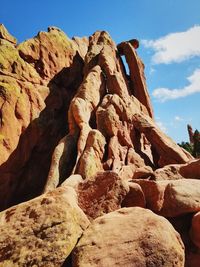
<point>24,174</point>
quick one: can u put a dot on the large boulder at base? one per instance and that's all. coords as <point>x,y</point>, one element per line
<point>42,231</point>
<point>129,237</point>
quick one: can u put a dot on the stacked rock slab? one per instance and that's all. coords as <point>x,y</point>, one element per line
<point>78,145</point>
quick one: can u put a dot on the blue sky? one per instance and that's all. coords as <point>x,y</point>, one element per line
<point>169,33</point>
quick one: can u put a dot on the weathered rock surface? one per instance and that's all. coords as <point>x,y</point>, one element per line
<point>135,197</point>
<point>191,170</point>
<point>172,198</point>
<point>138,81</point>
<point>129,237</point>
<point>102,194</point>
<point>38,79</point>
<point>42,231</point>
<point>5,35</point>
<point>168,172</point>
<point>168,151</point>
<point>181,197</point>
<point>72,117</point>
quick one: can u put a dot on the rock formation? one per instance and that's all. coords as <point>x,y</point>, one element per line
<point>82,160</point>
<point>190,133</point>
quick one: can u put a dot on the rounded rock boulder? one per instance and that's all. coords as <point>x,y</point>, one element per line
<point>129,237</point>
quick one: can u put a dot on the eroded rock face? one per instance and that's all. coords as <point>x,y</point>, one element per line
<point>191,170</point>
<point>5,35</point>
<point>103,194</point>
<point>42,231</point>
<point>168,172</point>
<point>38,79</point>
<point>172,198</point>
<point>71,117</point>
<point>74,97</point>
<point>129,237</point>
<point>138,81</point>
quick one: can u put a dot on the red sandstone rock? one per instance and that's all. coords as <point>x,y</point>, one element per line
<point>145,172</point>
<point>129,237</point>
<point>192,259</point>
<point>190,133</point>
<point>42,231</point>
<point>4,34</point>
<point>49,52</point>
<point>181,197</point>
<point>191,170</point>
<point>90,163</point>
<point>153,192</point>
<point>32,113</point>
<point>171,198</point>
<point>138,81</point>
<point>168,172</point>
<point>82,44</point>
<point>135,197</point>
<point>168,150</point>
<point>68,110</point>
<point>102,194</point>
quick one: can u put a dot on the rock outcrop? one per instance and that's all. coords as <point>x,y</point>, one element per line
<point>129,237</point>
<point>78,145</point>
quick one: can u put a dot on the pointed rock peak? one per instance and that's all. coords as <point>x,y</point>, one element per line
<point>4,34</point>
<point>101,38</point>
<point>54,28</point>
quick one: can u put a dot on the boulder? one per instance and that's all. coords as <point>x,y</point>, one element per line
<point>191,170</point>
<point>153,193</point>
<point>168,172</point>
<point>42,231</point>
<point>144,172</point>
<point>129,237</point>
<point>135,196</point>
<point>171,198</point>
<point>181,197</point>
<point>101,194</point>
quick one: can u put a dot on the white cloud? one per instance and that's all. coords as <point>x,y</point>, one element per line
<point>175,47</point>
<point>163,94</point>
<point>177,118</point>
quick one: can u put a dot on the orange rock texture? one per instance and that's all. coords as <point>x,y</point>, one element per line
<point>81,158</point>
